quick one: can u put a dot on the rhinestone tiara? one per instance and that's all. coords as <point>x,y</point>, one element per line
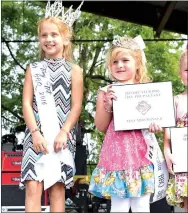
<point>136,43</point>
<point>129,43</point>
<point>57,10</point>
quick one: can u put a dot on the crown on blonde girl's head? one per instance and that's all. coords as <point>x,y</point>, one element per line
<point>57,10</point>
<point>133,46</point>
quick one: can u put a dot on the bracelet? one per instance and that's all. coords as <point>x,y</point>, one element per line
<point>67,133</point>
<point>34,130</point>
<point>107,110</point>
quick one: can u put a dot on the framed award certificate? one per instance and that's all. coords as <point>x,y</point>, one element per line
<point>139,105</point>
<point>179,148</point>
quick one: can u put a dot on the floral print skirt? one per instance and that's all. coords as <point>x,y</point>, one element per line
<point>177,189</point>
<point>123,184</point>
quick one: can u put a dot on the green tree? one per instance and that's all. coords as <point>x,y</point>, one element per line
<point>18,23</point>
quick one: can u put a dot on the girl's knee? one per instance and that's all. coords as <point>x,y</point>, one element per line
<point>57,191</point>
<point>140,204</point>
<point>33,189</point>
<point>120,204</point>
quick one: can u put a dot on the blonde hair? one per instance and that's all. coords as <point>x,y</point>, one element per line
<point>183,54</point>
<point>141,72</point>
<point>64,30</point>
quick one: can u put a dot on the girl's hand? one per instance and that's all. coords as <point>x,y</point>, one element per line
<point>39,143</point>
<point>110,95</point>
<point>60,141</point>
<point>154,128</point>
<point>169,160</point>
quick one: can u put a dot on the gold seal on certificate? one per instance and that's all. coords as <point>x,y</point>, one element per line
<point>179,148</point>
<point>139,105</point>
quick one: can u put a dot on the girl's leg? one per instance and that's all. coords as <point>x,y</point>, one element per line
<point>57,198</point>
<point>140,204</point>
<point>185,200</point>
<point>33,195</point>
<point>120,204</point>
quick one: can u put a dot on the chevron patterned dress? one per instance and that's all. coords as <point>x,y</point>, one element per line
<point>60,76</point>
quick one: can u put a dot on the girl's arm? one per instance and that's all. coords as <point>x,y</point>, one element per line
<point>27,101</point>
<point>167,150</point>
<point>76,98</point>
<point>39,144</point>
<point>102,117</point>
<point>166,139</point>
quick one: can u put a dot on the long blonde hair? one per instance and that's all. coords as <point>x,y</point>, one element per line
<point>64,30</point>
<point>141,72</point>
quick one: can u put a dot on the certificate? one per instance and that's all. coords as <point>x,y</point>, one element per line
<point>179,148</point>
<point>139,105</point>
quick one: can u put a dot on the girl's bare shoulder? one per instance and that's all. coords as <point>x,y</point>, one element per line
<point>76,68</point>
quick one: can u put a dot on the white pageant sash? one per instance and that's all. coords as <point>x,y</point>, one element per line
<point>161,174</point>
<point>48,167</point>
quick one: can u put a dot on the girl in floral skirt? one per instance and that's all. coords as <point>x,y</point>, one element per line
<point>177,193</point>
